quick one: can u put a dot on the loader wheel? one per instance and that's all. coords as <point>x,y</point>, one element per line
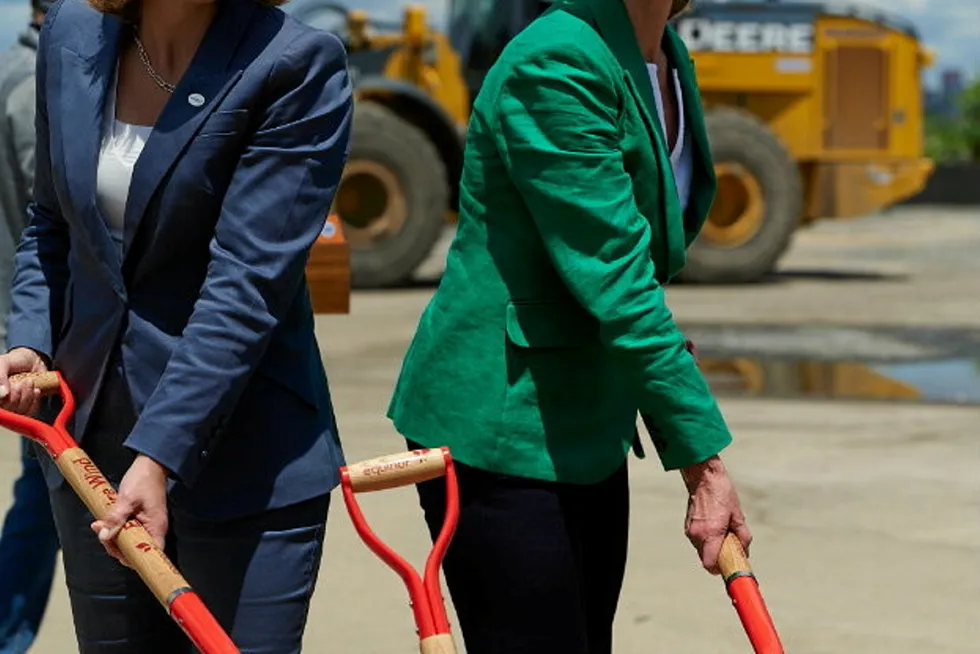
<point>757,207</point>
<point>392,199</point>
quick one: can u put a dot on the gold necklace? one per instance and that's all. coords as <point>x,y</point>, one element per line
<point>150,70</point>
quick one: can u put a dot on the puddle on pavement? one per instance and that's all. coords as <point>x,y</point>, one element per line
<point>955,381</point>
<point>932,365</point>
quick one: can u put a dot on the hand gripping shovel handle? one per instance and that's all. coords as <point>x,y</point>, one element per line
<point>141,552</point>
<point>742,586</point>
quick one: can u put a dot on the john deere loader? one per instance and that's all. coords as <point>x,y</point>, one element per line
<point>814,112</point>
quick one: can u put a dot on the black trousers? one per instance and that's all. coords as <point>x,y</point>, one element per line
<point>534,566</point>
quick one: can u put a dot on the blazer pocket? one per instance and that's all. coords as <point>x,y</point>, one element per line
<point>224,123</point>
<point>549,324</point>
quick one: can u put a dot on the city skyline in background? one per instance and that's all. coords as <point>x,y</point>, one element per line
<point>952,32</point>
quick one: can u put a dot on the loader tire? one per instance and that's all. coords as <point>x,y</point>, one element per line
<point>392,199</point>
<point>758,205</point>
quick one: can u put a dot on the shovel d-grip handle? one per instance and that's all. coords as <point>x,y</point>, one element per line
<point>403,469</point>
<point>140,550</point>
<point>396,470</point>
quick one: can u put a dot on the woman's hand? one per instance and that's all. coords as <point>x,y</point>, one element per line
<point>713,510</point>
<point>713,507</point>
<point>142,495</point>
<point>22,396</point>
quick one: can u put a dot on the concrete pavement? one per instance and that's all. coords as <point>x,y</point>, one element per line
<point>866,515</point>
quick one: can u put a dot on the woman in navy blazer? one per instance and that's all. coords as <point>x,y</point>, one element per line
<point>187,155</point>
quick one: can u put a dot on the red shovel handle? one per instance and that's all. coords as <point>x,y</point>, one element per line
<point>141,552</point>
<point>743,588</point>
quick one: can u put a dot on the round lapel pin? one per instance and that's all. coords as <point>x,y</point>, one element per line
<point>195,99</point>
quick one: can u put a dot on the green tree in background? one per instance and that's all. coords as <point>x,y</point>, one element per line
<point>957,139</point>
<point>970,119</point>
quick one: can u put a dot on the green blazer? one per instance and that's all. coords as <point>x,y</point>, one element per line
<point>549,330</point>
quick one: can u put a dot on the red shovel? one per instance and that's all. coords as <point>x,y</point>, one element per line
<point>136,544</point>
<point>425,594</point>
<point>740,581</point>
<point>743,588</point>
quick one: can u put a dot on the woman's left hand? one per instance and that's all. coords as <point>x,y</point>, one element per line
<point>713,510</point>
<point>142,495</point>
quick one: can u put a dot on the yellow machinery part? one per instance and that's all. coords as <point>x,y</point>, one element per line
<point>739,208</point>
<point>851,113</point>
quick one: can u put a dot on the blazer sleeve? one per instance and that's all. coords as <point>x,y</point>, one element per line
<point>41,263</point>
<point>559,135</point>
<point>272,213</point>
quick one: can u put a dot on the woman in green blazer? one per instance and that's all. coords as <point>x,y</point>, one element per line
<point>587,175</point>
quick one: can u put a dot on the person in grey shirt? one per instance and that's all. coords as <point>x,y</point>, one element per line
<point>29,541</point>
<point>16,154</point>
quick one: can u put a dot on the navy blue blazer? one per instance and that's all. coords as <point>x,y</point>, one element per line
<point>208,304</point>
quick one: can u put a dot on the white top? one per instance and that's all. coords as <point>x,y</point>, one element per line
<point>681,157</point>
<point>122,145</point>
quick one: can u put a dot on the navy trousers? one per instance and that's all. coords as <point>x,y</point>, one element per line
<point>28,553</point>
<point>256,574</point>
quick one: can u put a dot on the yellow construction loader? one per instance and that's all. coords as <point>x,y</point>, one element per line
<point>814,112</point>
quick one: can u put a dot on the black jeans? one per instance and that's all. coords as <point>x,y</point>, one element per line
<point>534,566</point>
<point>256,573</point>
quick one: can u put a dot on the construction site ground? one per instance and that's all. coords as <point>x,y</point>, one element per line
<point>866,514</point>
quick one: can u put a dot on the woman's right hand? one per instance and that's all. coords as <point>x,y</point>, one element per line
<point>22,396</point>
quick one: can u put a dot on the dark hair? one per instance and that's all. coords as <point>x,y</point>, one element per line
<point>128,8</point>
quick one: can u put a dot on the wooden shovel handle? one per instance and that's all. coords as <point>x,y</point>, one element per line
<point>438,644</point>
<point>138,548</point>
<point>395,470</point>
<point>732,559</point>
<point>99,496</point>
<point>134,541</point>
<point>47,382</point>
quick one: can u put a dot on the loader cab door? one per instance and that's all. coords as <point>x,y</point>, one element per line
<point>479,30</point>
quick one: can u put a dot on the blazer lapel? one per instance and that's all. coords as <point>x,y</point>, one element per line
<point>616,29</point>
<point>200,90</point>
<point>84,83</point>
